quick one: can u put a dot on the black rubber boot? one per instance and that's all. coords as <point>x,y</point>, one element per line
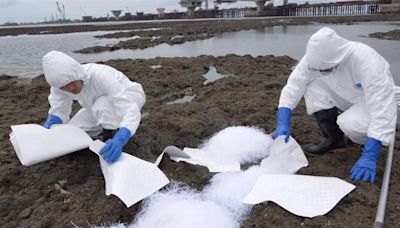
<point>334,137</point>
<point>108,134</point>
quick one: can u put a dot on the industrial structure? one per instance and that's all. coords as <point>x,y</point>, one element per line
<point>259,3</point>
<point>341,7</point>
<point>61,12</point>
<point>191,5</point>
<point>201,9</point>
<point>334,9</point>
<point>393,7</point>
<point>161,12</point>
<point>116,14</point>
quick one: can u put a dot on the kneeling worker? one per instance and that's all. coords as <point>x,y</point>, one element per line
<point>348,87</point>
<point>109,100</point>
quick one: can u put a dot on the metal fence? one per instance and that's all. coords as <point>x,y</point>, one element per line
<point>333,9</point>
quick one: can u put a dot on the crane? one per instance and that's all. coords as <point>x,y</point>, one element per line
<point>61,10</point>
<point>84,13</point>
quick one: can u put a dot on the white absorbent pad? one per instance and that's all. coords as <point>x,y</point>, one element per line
<point>306,196</point>
<point>131,179</point>
<point>203,158</point>
<point>197,157</point>
<point>226,150</point>
<point>284,157</point>
<point>34,143</point>
<point>172,151</point>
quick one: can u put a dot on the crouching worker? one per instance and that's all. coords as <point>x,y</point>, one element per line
<point>110,102</point>
<point>348,87</point>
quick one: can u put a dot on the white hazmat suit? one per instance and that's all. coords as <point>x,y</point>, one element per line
<point>360,86</point>
<point>108,98</point>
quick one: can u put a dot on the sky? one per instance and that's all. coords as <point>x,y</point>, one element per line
<point>21,11</point>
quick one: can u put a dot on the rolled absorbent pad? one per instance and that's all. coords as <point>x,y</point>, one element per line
<point>34,144</point>
<point>306,196</point>
<point>131,179</point>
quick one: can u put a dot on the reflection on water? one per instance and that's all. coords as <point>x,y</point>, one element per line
<point>22,55</point>
<point>213,75</point>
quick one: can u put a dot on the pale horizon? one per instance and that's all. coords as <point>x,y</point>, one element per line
<point>27,11</point>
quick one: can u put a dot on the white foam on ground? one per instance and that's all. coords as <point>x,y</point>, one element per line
<point>229,189</point>
<point>219,205</point>
<point>182,207</point>
<point>238,144</point>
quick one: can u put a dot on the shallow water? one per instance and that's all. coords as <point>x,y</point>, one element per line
<point>185,99</point>
<point>21,55</point>
<point>213,75</point>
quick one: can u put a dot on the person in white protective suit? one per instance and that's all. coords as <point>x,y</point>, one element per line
<point>348,87</point>
<point>111,103</point>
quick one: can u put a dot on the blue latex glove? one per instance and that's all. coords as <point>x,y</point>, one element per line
<point>113,148</point>
<point>52,119</point>
<point>283,122</point>
<point>365,167</point>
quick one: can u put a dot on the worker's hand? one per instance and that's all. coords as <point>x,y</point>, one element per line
<point>113,148</point>
<point>365,167</point>
<point>282,130</point>
<point>283,123</point>
<point>52,119</point>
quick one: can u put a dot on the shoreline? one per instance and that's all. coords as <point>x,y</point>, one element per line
<point>187,31</point>
<point>41,30</point>
<point>180,33</point>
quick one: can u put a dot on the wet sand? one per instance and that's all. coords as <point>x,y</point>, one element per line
<point>33,196</point>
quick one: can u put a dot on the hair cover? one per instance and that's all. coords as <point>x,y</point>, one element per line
<point>326,49</point>
<point>60,69</point>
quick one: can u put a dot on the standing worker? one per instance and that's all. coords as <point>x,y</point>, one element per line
<point>348,87</point>
<point>109,100</point>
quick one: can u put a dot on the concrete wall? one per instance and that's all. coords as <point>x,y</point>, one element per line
<point>391,8</point>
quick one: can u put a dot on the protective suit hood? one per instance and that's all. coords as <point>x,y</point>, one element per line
<point>60,69</point>
<point>326,49</point>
